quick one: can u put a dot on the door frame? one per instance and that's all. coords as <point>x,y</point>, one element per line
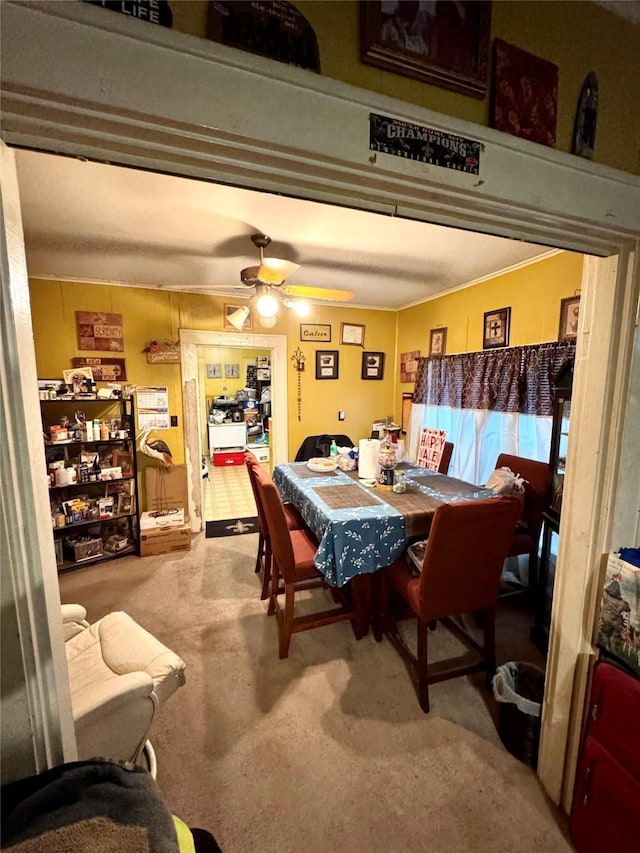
<point>60,96</point>
<point>190,340</point>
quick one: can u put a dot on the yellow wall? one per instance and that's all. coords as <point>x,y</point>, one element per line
<point>533,293</point>
<point>154,315</point>
<point>577,36</point>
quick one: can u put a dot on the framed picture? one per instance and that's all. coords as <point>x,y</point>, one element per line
<point>372,365</point>
<point>79,380</point>
<point>409,365</point>
<point>327,363</point>
<point>232,371</point>
<point>231,309</point>
<point>569,314</point>
<point>352,333</point>
<point>123,459</point>
<point>407,400</point>
<point>496,328</point>
<point>119,488</point>
<point>445,44</point>
<point>316,333</point>
<point>437,341</point>
<point>214,371</point>
<point>525,94</point>
<point>125,504</point>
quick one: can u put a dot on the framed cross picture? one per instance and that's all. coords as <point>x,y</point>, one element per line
<point>496,328</point>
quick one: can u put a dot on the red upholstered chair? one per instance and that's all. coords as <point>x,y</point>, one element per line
<point>461,569</point>
<point>293,519</point>
<point>293,562</point>
<point>537,498</point>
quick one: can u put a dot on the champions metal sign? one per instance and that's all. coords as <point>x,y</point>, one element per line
<point>414,142</point>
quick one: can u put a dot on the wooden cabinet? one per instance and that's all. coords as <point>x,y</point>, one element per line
<point>551,519</point>
<point>92,479</point>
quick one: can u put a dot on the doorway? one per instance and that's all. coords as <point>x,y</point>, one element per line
<point>195,348</point>
<point>522,193</point>
<point>235,413</point>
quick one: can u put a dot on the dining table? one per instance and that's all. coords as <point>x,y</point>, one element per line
<point>361,527</point>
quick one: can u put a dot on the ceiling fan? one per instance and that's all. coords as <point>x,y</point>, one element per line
<point>275,271</point>
<point>269,281</point>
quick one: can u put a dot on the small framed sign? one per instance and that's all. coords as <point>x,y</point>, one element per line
<point>496,328</point>
<point>214,371</point>
<point>327,364</point>
<point>315,332</point>
<point>372,365</point>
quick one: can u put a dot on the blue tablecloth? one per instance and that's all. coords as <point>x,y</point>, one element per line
<point>360,539</point>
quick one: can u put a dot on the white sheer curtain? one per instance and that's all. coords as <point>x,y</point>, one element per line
<point>489,402</point>
<point>479,437</point>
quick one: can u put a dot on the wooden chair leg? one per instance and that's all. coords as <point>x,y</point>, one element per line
<point>266,577</point>
<point>489,617</point>
<point>423,665</point>
<point>260,556</point>
<point>273,593</point>
<point>286,623</point>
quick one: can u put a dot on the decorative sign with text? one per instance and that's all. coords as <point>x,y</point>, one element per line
<point>315,332</point>
<point>415,142</point>
<point>99,331</point>
<point>273,28</point>
<point>154,11</point>
<point>103,369</point>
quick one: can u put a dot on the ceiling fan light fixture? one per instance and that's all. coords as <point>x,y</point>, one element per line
<point>267,305</point>
<point>239,317</point>
<point>267,322</point>
<point>301,308</point>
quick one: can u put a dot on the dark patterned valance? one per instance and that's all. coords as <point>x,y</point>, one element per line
<point>513,379</point>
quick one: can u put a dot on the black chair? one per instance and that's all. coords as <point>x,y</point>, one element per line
<point>318,445</point>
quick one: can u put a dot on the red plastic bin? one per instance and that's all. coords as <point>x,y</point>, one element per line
<point>228,457</point>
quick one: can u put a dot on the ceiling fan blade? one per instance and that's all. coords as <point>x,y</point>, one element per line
<point>318,293</point>
<point>276,270</point>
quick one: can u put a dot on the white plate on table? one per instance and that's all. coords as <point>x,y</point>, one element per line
<point>322,465</point>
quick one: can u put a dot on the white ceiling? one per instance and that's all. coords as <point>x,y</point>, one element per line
<point>94,222</point>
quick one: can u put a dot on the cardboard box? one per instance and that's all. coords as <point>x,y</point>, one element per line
<point>149,521</point>
<point>167,488</point>
<point>165,540</point>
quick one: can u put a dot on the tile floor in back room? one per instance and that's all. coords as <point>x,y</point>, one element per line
<point>227,493</point>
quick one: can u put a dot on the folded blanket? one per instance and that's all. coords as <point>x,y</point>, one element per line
<point>86,806</point>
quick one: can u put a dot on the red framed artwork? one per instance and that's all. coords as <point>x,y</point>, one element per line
<point>525,94</point>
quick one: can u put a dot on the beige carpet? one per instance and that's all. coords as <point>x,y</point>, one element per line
<point>325,751</point>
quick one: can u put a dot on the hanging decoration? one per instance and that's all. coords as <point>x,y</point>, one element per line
<point>298,360</point>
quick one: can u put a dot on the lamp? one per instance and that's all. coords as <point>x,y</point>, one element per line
<point>301,308</point>
<point>239,317</point>
<point>266,302</point>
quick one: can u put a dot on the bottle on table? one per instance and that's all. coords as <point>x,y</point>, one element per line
<point>333,449</point>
